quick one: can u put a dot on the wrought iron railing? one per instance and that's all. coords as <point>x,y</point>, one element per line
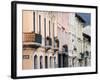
<point>32,37</point>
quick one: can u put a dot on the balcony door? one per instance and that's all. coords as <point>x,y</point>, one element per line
<point>65,56</point>
<point>46,61</point>
<point>35,62</point>
<point>41,62</point>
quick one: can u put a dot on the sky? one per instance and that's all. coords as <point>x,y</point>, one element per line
<point>86,17</point>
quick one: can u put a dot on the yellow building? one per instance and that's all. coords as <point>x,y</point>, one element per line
<point>39,44</point>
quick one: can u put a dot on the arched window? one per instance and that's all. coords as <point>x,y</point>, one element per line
<point>35,62</point>
<point>41,62</point>
<point>46,62</point>
<point>50,62</point>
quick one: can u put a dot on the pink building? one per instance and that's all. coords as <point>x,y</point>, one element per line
<point>63,26</point>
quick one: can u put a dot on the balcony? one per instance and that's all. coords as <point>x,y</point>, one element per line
<point>65,48</point>
<point>75,49</point>
<point>48,43</point>
<point>56,44</point>
<point>86,54</point>
<point>32,39</point>
<point>81,56</point>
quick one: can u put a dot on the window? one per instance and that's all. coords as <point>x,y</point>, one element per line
<point>49,28</point>
<point>55,62</point>
<point>41,62</point>
<point>33,21</point>
<point>59,33</point>
<point>50,62</point>
<point>35,62</point>
<point>45,29</point>
<point>39,24</point>
<point>65,48</point>
<point>73,61</point>
<point>53,29</point>
<point>46,62</point>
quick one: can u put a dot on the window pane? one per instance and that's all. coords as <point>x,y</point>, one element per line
<point>55,62</point>
<point>45,29</point>
<point>39,24</point>
<point>41,62</point>
<point>35,62</point>
<point>33,21</point>
<point>49,28</point>
<point>50,62</point>
<point>46,62</point>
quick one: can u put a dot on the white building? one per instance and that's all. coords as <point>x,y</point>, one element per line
<point>87,45</point>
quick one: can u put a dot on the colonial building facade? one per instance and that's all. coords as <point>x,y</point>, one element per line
<point>40,44</point>
<point>52,40</point>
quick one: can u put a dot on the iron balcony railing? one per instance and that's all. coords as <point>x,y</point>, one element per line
<point>32,37</point>
<point>56,44</point>
<point>82,56</point>
<point>48,43</point>
<point>56,41</point>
